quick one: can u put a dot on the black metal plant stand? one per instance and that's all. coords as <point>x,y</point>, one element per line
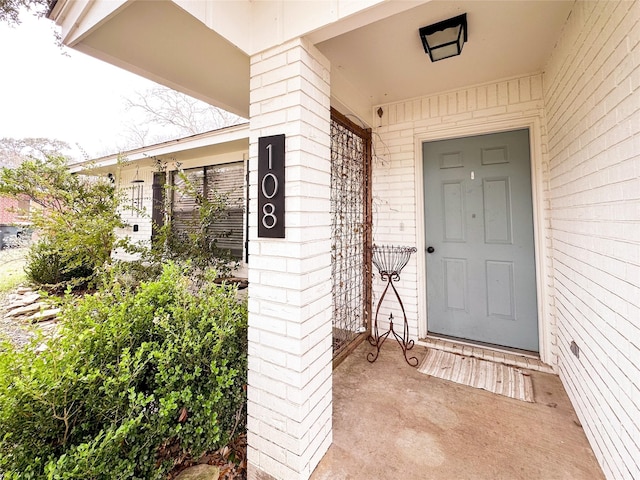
<point>390,261</point>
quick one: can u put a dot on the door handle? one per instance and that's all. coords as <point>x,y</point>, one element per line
<point>430,249</point>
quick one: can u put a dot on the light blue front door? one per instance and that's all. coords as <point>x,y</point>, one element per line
<point>479,234</point>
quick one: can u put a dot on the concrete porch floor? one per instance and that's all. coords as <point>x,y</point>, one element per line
<point>392,422</point>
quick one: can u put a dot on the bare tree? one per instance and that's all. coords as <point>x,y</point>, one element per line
<point>13,151</point>
<point>138,134</point>
<point>169,114</point>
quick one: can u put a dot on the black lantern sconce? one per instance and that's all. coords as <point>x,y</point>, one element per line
<point>444,39</point>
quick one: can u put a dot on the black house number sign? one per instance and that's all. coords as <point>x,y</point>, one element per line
<point>271,186</point>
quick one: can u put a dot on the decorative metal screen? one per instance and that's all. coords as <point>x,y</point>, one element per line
<point>351,219</point>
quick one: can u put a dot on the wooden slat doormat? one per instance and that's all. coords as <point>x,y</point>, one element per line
<point>474,372</point>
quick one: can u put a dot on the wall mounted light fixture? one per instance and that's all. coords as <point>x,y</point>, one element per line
<point>444,39</point>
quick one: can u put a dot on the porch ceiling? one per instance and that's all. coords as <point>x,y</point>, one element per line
<point>377,63</point>
<point>385,60</point>
<point>161,41</point>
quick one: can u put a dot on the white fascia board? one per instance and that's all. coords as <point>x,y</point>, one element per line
<point>257,26</point>
<point>251,26</point>
<point>214,137</point>
<point>230,19</point>
<point>355,14</point>
<point>78,17</point>
<point>277,22</point>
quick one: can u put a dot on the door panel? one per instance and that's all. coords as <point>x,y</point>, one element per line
<point>479,221</point>
<point>497,210</point>
<point>455,282</point>
<point>453,211</point>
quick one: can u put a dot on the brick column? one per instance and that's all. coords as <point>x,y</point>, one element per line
<point>290,336</point>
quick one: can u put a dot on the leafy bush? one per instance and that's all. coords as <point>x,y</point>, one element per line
<point>197,243</point>
<point>77,215</point>
<point>47,265</point>
<point>133,380</point>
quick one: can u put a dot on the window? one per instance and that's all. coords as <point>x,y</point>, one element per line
<point>225,180</point>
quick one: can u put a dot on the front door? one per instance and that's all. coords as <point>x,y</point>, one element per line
<point>479,235</point>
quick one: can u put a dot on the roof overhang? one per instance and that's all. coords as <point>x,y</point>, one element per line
<point>160,41</point>
<point>209,144</point>
<point>204,48</point>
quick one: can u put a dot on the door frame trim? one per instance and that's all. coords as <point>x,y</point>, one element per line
<point>482,127</point>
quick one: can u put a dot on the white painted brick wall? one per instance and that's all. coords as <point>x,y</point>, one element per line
<point>491,106</point>
<point>592,93</point>
<point>290,335</point>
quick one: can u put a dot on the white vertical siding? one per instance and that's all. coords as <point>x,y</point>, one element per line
<point>130,217</point>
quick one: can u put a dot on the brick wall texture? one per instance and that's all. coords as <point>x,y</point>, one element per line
<point>9,211</point>
<point>584,113</point>
<point>7,217</point>
<point>592,95</point>
<point>507,104</point>
<point>290,335</point>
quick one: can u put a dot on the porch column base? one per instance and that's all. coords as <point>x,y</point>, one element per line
<point>254,473</point>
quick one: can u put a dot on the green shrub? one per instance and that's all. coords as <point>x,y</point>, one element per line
<point>134,380</point>
<point>48,266</point>
<point>196,242</point>
<point>76,216</point>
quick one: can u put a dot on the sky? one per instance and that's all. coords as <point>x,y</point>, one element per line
<point>55,92</point>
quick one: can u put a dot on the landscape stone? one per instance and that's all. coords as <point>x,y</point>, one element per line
<point>200,472</point>
<point>44,315</point>
<point>24,300</point>
<point>48,324</point>
<point>34,307</point>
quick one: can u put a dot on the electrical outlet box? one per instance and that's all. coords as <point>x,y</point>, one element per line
<point>575,349</point>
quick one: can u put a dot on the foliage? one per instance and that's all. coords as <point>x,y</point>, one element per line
<point>131,376</point>
<point>10,9</point>
<point>76,218</point>
<point>196,245</point>
<point>47,265</point>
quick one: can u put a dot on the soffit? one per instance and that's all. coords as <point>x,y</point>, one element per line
<point>385,60</point>
<point>223,143</point>
<point>378,63</point>
<point>161,41</point>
